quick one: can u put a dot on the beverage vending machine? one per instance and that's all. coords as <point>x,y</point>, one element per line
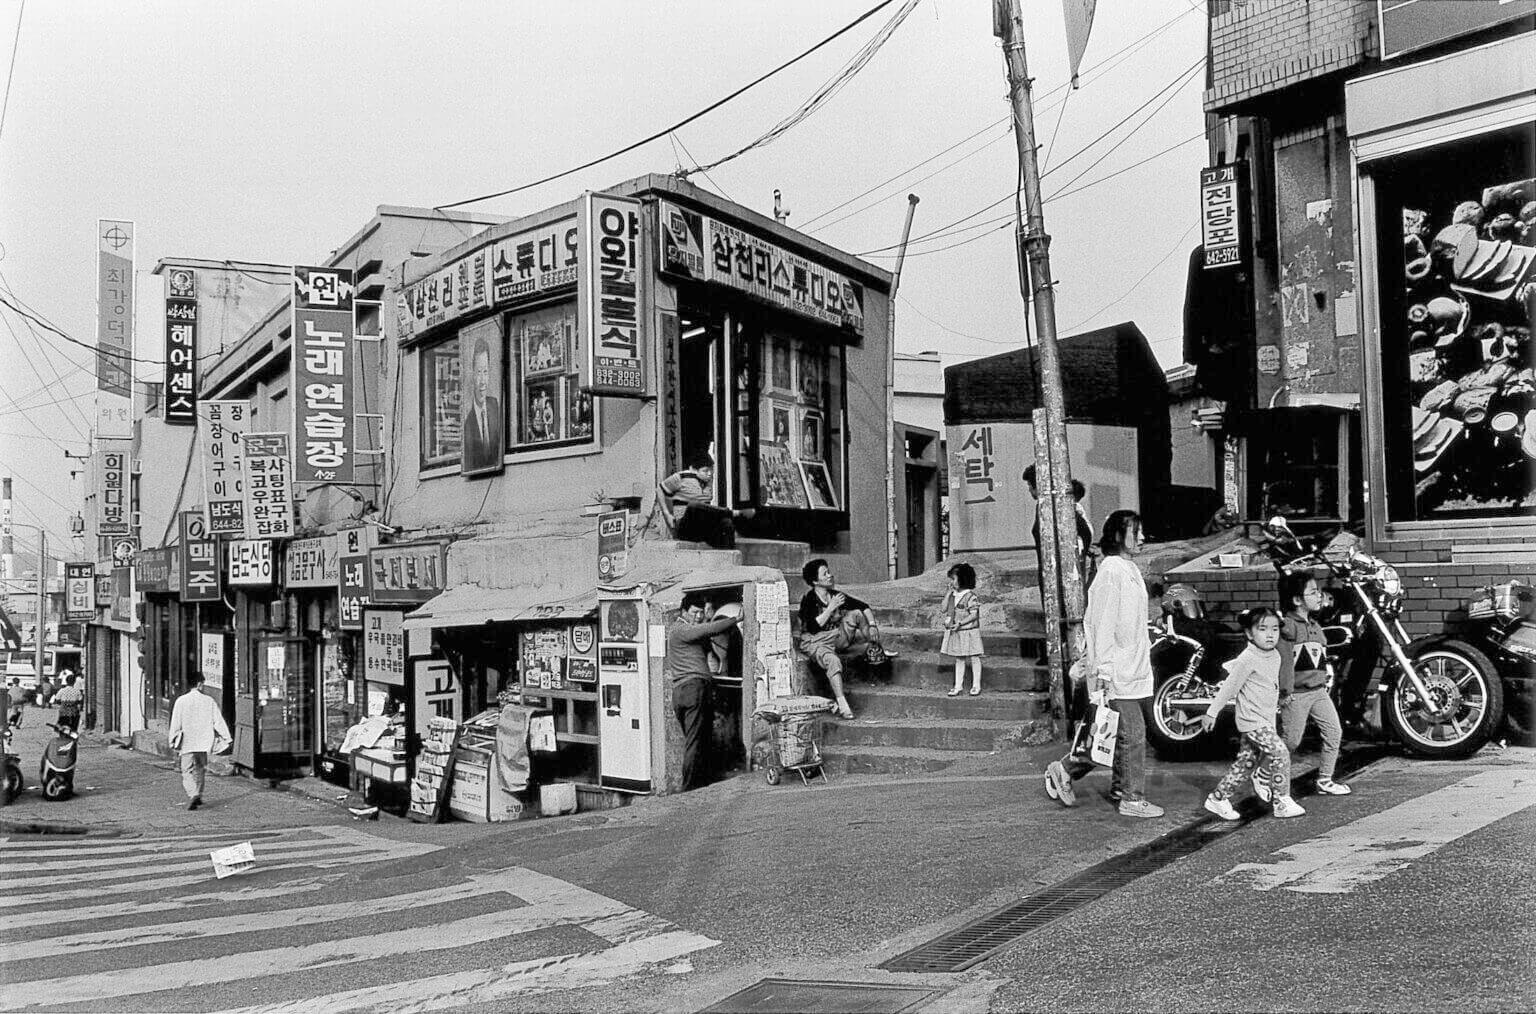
<point>623,694</point>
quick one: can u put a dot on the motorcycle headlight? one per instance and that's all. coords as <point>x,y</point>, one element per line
<point>1386,576</point>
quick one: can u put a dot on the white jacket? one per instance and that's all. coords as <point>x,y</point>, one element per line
<point>1116,625</point>
<point>195,722</point>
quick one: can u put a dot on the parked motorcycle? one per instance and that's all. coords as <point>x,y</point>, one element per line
<point>1441,697</point>
<point>1187,650</point>
<point>13,783</point>
<point>1502,624</point>
<point>57,769</point>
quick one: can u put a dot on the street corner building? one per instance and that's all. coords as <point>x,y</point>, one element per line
<point>1360,310</point>
<point>410,521</point>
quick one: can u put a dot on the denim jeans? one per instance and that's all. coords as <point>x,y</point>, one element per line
<point>1128,776</point>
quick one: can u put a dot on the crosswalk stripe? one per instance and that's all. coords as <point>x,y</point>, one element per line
<point>255,922</point>
<point>107,846</point>
<point>325,849</point>
<point>538,975</point>
<point>1373,847</point>
<point>551,903</point>
<point>54,916</point>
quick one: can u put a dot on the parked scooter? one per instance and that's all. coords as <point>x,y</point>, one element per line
<point>57,769</point>
<point>1441,697</point>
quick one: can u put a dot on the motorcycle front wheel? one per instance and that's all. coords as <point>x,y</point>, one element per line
<point>14,784</point>
<point>1175,732</point>
<point>1465,708</point>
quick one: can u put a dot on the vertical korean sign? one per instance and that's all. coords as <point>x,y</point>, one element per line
<point>80,591</point>
<point>181,347</point>
<point>112,506</point>
<point>323,328</point>
<point>224,427</point>
<point>1221,193</point>
<point>114,328</point>
<point>265,486</point>
<point>352,576</point>
<point>609,323</point>
<point>199,560</point>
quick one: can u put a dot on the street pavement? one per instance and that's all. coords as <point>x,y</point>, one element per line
<point>1413,893</point>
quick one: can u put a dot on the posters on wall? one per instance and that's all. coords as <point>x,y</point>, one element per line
<point>211,659</point>
<point>181,347</point>
<point>542,654</point>
<point>323,330</point>
<point>114,328</point>
<point>608,326</point>
<point>224,425</point>
<point>267,496</point>
<point>484,440</point>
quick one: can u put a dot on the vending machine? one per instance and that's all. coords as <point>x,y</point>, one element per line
<point>623,695</point>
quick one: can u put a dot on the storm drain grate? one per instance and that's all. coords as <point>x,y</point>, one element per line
<point>789,996</point>
<point>976,941</point>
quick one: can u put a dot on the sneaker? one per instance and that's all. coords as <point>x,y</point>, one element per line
<point>1140,808</point>
<point>1222,808</point>
<point>1285,806</point>
<point>1329,787</point>
<point>194,802</point>
<point>1261,787</point>
<point>1056,778</point>
<point>890,654</point>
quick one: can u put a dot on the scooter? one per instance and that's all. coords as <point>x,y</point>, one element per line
<point>57,770</point>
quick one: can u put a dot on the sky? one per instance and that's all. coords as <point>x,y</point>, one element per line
<point>270,130</point>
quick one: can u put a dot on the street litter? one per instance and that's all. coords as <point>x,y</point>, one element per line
<point>234,859</point>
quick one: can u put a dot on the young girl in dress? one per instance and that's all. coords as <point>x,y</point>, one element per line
<point>1253,681</point>
<point>962,627</point>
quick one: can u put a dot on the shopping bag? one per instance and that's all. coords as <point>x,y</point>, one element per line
<point>1106,727</point>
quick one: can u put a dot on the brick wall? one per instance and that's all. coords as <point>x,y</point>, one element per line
<point>1261,46</point>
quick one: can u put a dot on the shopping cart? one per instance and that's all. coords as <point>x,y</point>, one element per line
<point>794,737</point>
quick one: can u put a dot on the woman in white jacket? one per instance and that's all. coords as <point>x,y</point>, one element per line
<point>1120,665</point>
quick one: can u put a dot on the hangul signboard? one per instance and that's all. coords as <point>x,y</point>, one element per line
<point>608,316</point>
<point>181,347</point>
<point>268,502</point>
<point>759,268</point>
<point>323,329</point>
<point>80,591</point>
<point>155,571</point>
<point>531,263</point>
<point>122,595</point>
<point>384,647</point>
<point>114,328</point>
<point>114,460</point>
<point>224,427</point>
<point>250,562</point>
<point>199,561</point>
<point>682,241</point>
<point>1221,216</point>
<point>352,549</point>
<point>103,589</point>
<point>407,571</point>
<point>311,563</point>
<point>459,288</point>
<point>612,546</point>
<point>977,465</point>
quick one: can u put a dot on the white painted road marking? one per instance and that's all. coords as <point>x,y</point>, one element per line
<point>1373,847</point>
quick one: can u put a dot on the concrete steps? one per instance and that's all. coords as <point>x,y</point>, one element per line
<point>891,760</point>
<point>980,736</point>
<point>875,701</point>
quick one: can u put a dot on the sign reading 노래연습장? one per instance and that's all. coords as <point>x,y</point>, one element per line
<point>323,332</point>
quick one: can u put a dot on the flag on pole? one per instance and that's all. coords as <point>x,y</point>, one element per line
<point>1079,18</point>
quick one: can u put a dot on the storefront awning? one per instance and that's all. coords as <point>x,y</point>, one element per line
<point>470,605</point>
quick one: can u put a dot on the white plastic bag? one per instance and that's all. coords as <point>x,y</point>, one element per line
<point>1106,728</point>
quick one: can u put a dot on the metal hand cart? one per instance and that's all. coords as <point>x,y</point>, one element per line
<point>794,737</point>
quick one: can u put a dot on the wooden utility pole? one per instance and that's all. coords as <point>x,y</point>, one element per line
<point>892,534</point>
<point>1034,248</point>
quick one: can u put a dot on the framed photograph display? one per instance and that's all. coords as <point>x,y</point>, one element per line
<point>480,349</point>
<point>779,428</point>
<point>780,366</point>
<point>810,367</point>
<point>779,483</point>
<point>812,433</point>
<point>818,486</point>
<point>542,412</point>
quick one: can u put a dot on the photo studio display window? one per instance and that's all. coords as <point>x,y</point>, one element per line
<point>1456,231</point>
<point>799,461</point>
<point>441,397</point>
<point>547,408</point>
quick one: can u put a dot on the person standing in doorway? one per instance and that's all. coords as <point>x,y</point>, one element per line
<point>197,728</point>
<point>1120,667</point>
<point>689,648</point>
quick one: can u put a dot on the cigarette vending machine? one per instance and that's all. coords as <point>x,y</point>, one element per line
<point>623,695</point>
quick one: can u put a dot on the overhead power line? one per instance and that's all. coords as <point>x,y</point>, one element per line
<point>681,123</point>
<point>5,107</point>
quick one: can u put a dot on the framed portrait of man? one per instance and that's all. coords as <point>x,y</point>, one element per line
<point>483,364</point>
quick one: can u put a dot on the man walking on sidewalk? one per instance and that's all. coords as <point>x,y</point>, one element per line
<point>197,728</point>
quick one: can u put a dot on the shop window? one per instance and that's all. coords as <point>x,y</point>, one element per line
<point>1456,309</point>
<point>801,412</point>
<point>547,405</point>
<point>441,392</point>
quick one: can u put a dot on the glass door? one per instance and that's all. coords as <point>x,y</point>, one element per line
<point>285,702</point>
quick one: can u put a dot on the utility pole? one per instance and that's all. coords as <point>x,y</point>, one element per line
<point>42,603</point>
<point>1035,244</point>
<point>893,536</point>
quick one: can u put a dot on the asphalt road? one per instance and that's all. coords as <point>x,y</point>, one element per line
<point>1412,894</point>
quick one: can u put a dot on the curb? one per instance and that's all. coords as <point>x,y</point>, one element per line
<point>48,827</point>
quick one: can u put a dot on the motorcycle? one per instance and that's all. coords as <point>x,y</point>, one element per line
<point>1502,624</point>
<point>13,783</point>
<point>1187,651</point>
<point>57,769</point>
<point>1440,697</point>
